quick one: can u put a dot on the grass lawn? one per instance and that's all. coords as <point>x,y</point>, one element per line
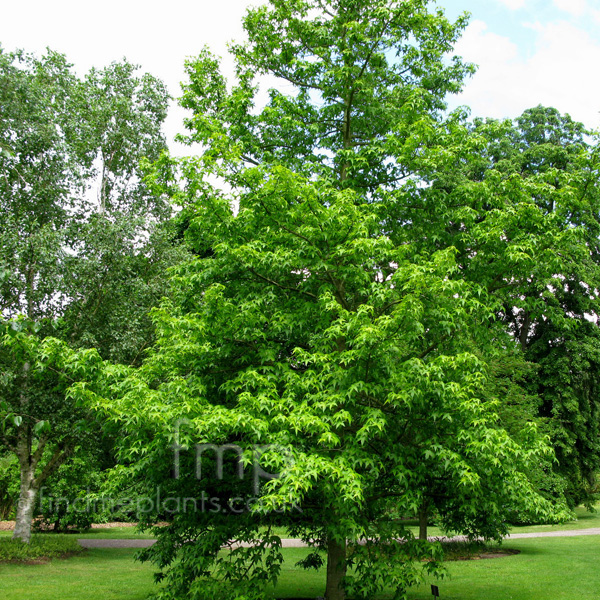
<point>112,533</point>
<point>109,574</point>
<point>546,569</point>
<point>121,533</point>
<point>585,520</point>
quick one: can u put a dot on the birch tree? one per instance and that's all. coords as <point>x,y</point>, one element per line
<point>82,249</point>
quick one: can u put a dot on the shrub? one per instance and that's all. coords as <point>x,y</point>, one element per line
<point>41,547</point>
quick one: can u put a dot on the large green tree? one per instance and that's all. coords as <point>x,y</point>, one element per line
<point>83,248</point>
<point>313,323</point>
<point>519,202</point>
<point>555,317</point>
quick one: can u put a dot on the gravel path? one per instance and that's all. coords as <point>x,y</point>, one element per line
<point>567,533</point>
<point>294,543</point>
<point>95,543</point>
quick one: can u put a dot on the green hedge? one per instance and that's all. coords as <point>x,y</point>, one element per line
<point>41,547</point>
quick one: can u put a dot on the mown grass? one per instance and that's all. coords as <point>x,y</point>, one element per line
<point>114,533</point>
<point>585,520</point>
<point>110,574</point>
<point>545,569</point>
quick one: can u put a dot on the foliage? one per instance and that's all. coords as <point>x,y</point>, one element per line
<point>66,499</point>
<point>536,247</point>
<point>9,485</point>
<point>566,344</point>
<point>464,550</point>
<point>77,267</point>
<point>325,326</point>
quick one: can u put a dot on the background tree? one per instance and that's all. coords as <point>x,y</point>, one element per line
<point>70,498</point>
<point>314,319</point>
<point>83,269</point>
<point>561,337</point>
<point>521,205</point>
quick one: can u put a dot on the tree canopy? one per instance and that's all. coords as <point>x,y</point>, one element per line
<point>343,310</point>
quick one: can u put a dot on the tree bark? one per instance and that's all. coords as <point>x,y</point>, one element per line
<point>27,492</point>
<point>336,570</point>
<point>26,505</point>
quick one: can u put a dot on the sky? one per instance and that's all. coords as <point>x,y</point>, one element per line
<point>529,52</point>
<point>532,52</point>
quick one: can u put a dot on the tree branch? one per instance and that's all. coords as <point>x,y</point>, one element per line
<point>283,287</point>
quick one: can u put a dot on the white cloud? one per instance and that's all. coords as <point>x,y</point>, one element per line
<point>558,73</point>
<point>574,7</point>
<point>484,47</point>
<point>159,39</point>
<point>95,34</point>
<point>513,4</point>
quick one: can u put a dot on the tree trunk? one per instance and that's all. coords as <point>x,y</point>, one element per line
<point>336,570</point>
<point>25,506</point>
<point>423,522</point>
<point>524,332</point>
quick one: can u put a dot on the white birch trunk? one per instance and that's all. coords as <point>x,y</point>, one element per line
<point>27,498</point>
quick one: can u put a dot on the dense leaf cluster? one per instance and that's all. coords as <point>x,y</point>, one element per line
<point>355,307</point>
